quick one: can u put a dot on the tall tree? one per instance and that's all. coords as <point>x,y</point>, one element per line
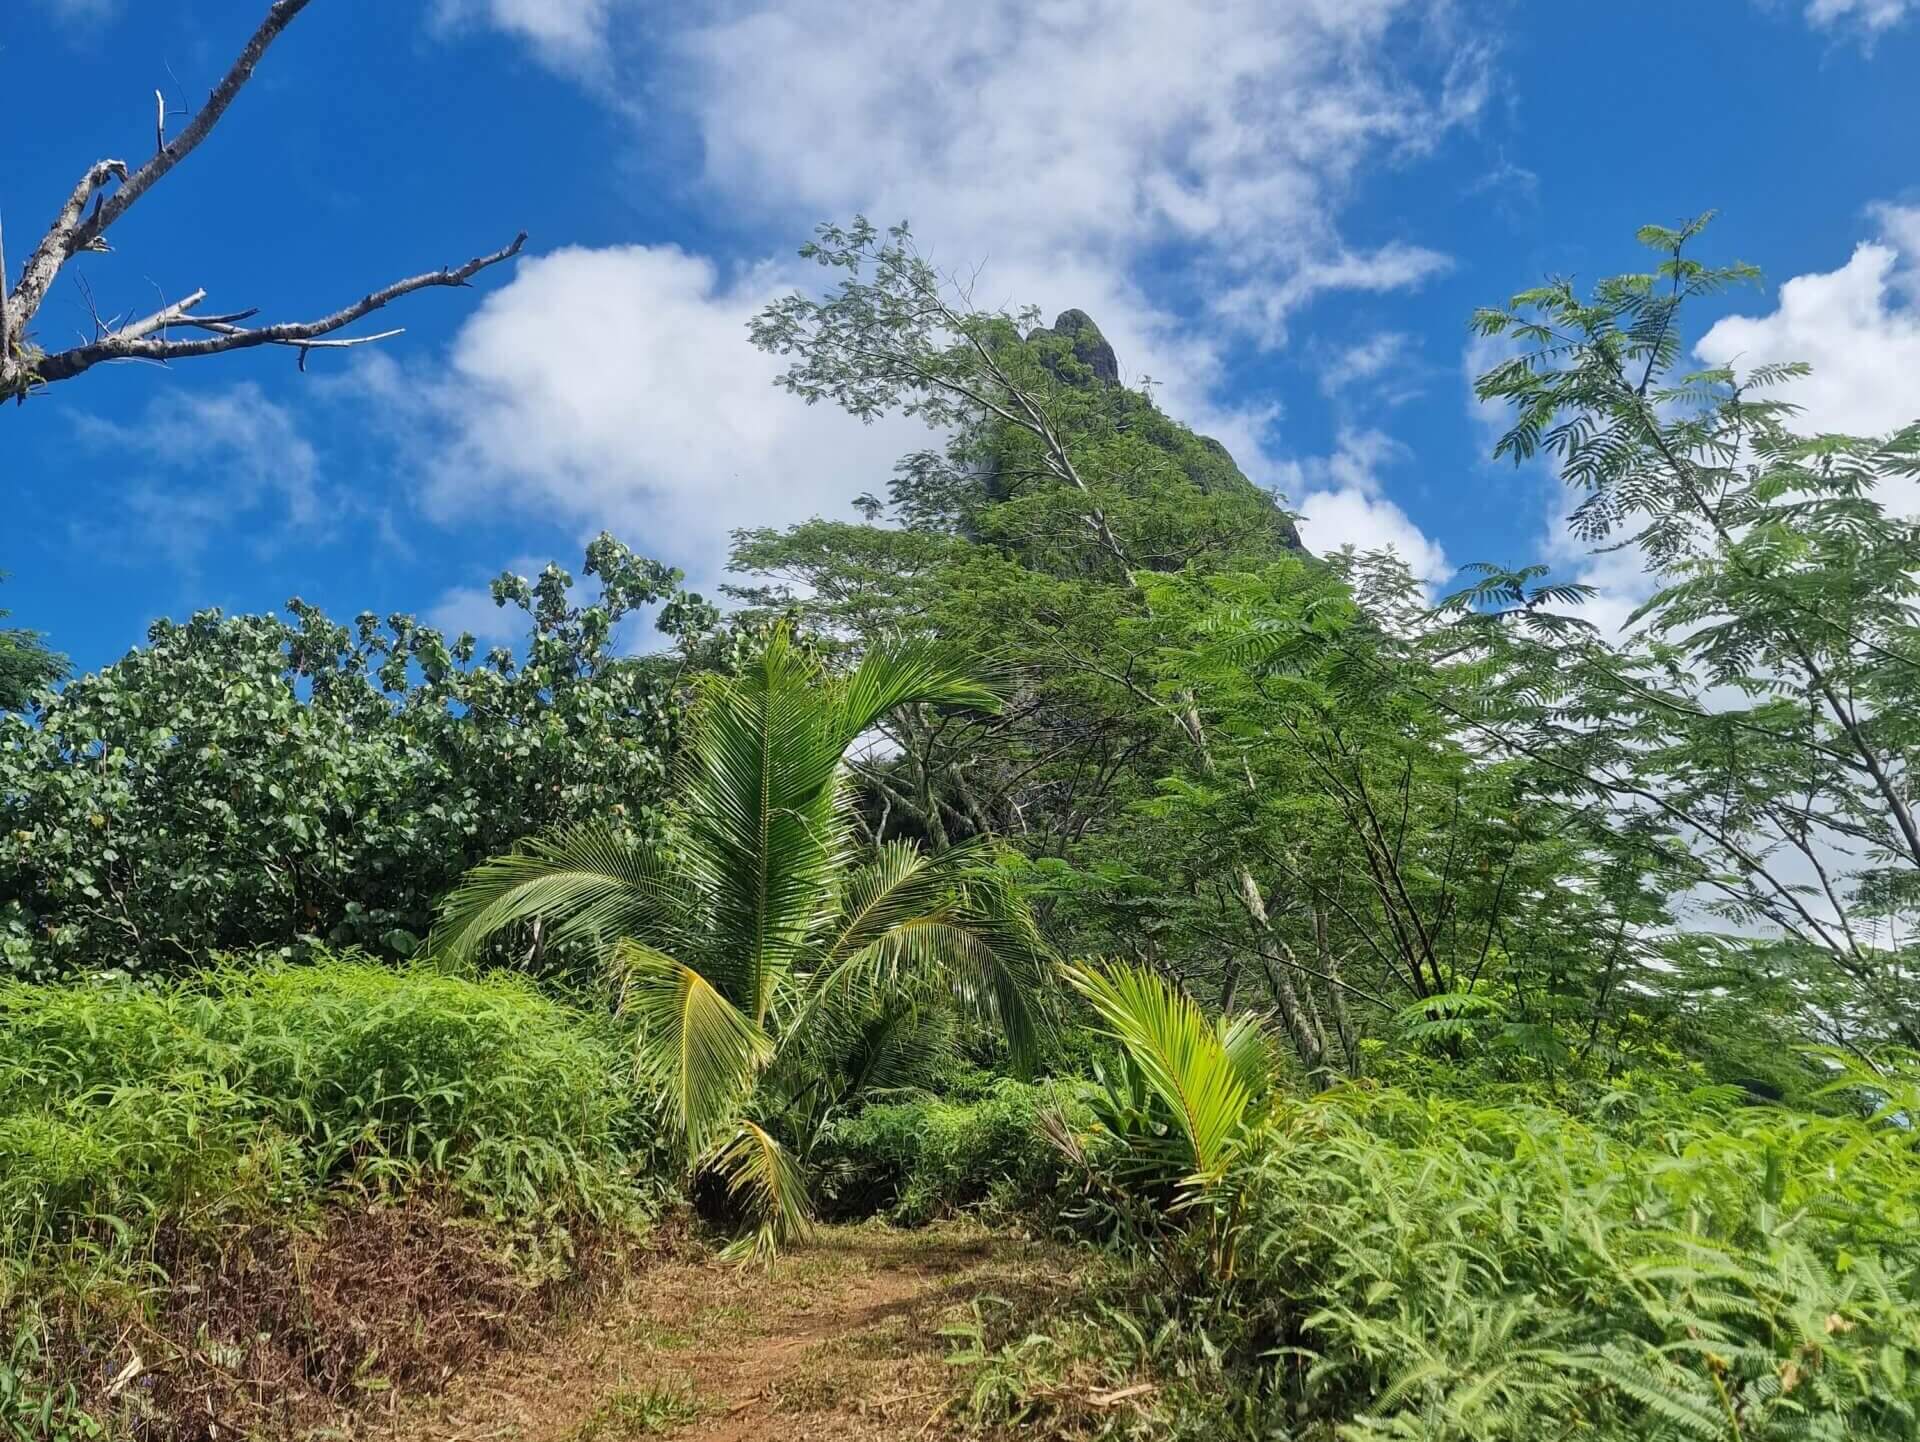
<point>1434,892</point>
<point>1762,710</point>
<point>104,194</point>
<point>1067,493</point>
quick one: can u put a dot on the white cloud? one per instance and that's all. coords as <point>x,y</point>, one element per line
<point>568,34</point>
<point>1364,361</point>
<point>253,471</point>
<point>1070,146</point>
<point>1859,329</point>
<point>1332,519</point>
<point>1263,304</point>
<point>1900,225</point>
<point>1867,16</point>
<point>616,388</point>
<point>1094,128</point>
<point>1341,503</point>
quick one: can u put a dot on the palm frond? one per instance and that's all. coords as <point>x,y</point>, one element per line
<point>997,962</point>
<point>767,1184</point>
<point>913,672</point>
<point>904,1044</point>
<point>692,1044</point>
<point>899,884</point>
<point>589,881</point>
<point>1249,1051</point>
<point>1182,1056</point>
<point>910,920</point>
<point>768,832</point>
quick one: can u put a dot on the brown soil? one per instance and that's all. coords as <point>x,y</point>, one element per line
<point>840,1338</point>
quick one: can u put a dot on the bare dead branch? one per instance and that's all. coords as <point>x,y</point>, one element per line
<point>75,229</point>
<point>279,16</point>
<point>6,330</point>
<point>59,244</point>
<point>70,233</point>
<point>138,341</point>
<point>159,320</point>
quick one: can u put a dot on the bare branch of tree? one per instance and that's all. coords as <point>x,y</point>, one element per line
<point>138,340</point>
<point>76,229</point>
<point>6,311</point>
<point>279,15</point>
<point>58,245</point>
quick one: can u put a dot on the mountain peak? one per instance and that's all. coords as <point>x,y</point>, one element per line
<point>1090,347</point>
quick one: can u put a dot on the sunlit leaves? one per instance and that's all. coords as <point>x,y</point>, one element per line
<point>1208,1076</point>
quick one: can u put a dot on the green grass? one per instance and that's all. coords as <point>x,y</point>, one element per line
<point>650,1411</point>
<point>135,1113</point>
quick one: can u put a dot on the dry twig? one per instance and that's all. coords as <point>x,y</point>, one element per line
<point>112,190</point>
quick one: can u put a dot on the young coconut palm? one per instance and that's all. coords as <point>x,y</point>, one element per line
<point>1188,1095</point>
<point>1197,1083</point>
<point>751,938</point>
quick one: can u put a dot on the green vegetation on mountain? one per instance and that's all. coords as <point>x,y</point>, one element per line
<point>1429,1017</point>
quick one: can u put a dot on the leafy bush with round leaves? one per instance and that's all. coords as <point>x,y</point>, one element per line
<point>259,782</point>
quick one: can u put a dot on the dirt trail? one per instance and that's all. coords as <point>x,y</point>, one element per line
<point>838,1339</point>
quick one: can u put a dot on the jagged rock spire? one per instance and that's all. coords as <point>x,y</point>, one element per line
<point>1206,462</point>
<point>1090,347</point>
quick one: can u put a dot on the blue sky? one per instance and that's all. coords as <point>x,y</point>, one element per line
<point>1283,212</point>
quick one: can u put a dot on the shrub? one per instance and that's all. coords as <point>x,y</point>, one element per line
<point>355,1071</point>
<point>1442,1269</point>
<point>919,1159</point>
<point>268,783</point>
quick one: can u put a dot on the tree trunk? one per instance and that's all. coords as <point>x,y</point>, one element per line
<point>1308,1040</point>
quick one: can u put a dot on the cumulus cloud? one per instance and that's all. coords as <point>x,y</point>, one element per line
<point>1858,327</point>
<point>1097,128</point>
<point>1341,503</point>
<point>1071,147</point>
<point>615,387</point>
<point>471,609</point>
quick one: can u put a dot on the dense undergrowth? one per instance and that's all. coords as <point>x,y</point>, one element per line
<point>1375,1263</point>
<point>205,1139</point>
<point>1413,1267</point>
<point>974,1147</point>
